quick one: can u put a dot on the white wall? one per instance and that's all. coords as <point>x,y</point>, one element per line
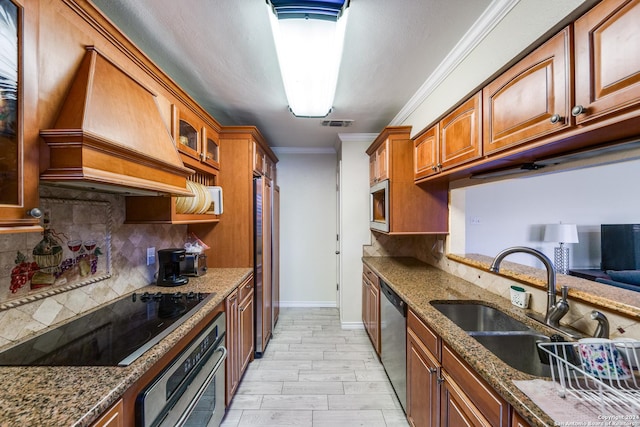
<point>307,229</point>
<point>354,200</point>
<point>513,212</point>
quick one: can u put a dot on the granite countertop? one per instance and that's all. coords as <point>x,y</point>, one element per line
<point>65,396</point>
<point>418,284</point>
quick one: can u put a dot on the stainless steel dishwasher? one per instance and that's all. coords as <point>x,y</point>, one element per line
<point>393,334</point>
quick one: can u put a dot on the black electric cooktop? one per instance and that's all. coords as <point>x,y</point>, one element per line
<point>114,335</point>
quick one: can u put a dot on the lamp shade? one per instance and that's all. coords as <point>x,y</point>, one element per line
<point>565,233</point>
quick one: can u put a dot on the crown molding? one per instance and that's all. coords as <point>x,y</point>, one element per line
<point>496,11</point>
<point>357,137</point>
<point>303,150</point>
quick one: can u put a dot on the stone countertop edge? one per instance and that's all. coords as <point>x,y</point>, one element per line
<point>622,301</point>
<point>418,284</point>
<point>78,395</point>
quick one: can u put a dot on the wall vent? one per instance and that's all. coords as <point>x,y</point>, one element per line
<point>337,123</point>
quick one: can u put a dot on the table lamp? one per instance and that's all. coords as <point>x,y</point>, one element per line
<point>561,233</point>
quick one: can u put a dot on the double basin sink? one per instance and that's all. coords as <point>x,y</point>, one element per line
<point>510,340</point>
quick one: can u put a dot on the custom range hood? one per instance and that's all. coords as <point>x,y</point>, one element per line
<point>110,136</point>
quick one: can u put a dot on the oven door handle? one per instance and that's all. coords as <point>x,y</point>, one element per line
<point>183,418</point>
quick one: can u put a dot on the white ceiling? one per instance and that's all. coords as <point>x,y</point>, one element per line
<point>222,53</point>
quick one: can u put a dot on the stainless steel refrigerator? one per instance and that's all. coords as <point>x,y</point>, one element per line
<point>262,192</point>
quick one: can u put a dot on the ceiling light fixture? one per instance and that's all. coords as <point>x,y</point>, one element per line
<point>309,36</point>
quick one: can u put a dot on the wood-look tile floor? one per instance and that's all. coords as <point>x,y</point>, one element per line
<point>314,373</point>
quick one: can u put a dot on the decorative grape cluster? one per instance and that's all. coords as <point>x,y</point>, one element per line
<point>67,264</point>
<point>22,272</point>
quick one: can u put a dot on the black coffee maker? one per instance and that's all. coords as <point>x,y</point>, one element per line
<point>169,267</point>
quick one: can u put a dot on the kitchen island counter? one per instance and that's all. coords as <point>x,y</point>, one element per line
<point>77,396</point>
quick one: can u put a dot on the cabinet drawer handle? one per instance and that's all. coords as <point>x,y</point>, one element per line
<point>556,118</point>
<point>34,213</point>
<point>577,110</point>
<point>440,380</point>
<point>432,370</point>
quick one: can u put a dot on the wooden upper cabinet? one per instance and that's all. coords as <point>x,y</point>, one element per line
<point>210,152</point>
<point>382,161</point>
<point>258,159</point>
<point>19,167</point>
<point>379,163</point>
<point>197,142</point>
<point>426,153</point>
<point>531,99</point>
<point>461,133</point>
<point>607,62</point>
<point>187,133</point>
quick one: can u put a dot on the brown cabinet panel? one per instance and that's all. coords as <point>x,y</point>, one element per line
<point>457,410</point>
<point>607,60</point>
<point>371,306</point>
<point>426,335</point>
<point>426,153</point>
<point>518,421</point>
<point>423,387</point>
<point>246,331</point>
<point>233,345</point>
<point>461,133</point>
<point>113,417</point>
<point>19,138</point>
<point>489,403</point>
<point>531,99</point>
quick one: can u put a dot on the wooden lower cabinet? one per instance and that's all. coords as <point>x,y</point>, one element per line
<point>442,390</point>
<point>246,330</point>
<point>423,387</point>
<point>518,421</point>
<point>113,417</point>
<point>371,307</point>
<point>240,336</point>
<point>233,345</point>
<point>457,409</point>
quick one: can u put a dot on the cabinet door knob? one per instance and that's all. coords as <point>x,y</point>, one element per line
<point>440,380</point>
<point>556,118</point>
<point>432,370</point>
<point>35,213</point>
<point>577,110</point>
<point>434,168</point>
<point>439,165</point>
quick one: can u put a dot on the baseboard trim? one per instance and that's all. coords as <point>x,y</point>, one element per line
<point>352,325</point>
<point>308,304</point>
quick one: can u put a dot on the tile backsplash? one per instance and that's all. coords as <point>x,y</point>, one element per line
<point>128,269</point>
<point>429,249</point>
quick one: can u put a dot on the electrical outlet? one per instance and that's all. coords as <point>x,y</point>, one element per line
<point>475,220</point>
<point>151,256</point>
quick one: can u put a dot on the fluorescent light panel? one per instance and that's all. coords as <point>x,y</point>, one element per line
<point>309,53</point>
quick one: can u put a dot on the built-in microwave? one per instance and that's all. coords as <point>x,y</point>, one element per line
<point>379,206</point>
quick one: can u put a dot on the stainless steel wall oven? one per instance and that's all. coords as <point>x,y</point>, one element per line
<point>190,390</point>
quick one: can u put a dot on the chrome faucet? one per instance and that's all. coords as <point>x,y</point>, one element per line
<point>551,273</point>
<point>555,310</point>
<point>602,330</point>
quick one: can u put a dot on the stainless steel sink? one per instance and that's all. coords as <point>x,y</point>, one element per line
<point>517,349</point>
<point>470,316</point>
<point>510,340</point>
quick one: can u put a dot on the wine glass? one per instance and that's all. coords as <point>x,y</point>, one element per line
<point>89,246</point>
<point>74,246</point>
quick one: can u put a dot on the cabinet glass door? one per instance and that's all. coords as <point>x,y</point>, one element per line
<point>11,167</point>
<point>188,139</point>
<point>211,148</point>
